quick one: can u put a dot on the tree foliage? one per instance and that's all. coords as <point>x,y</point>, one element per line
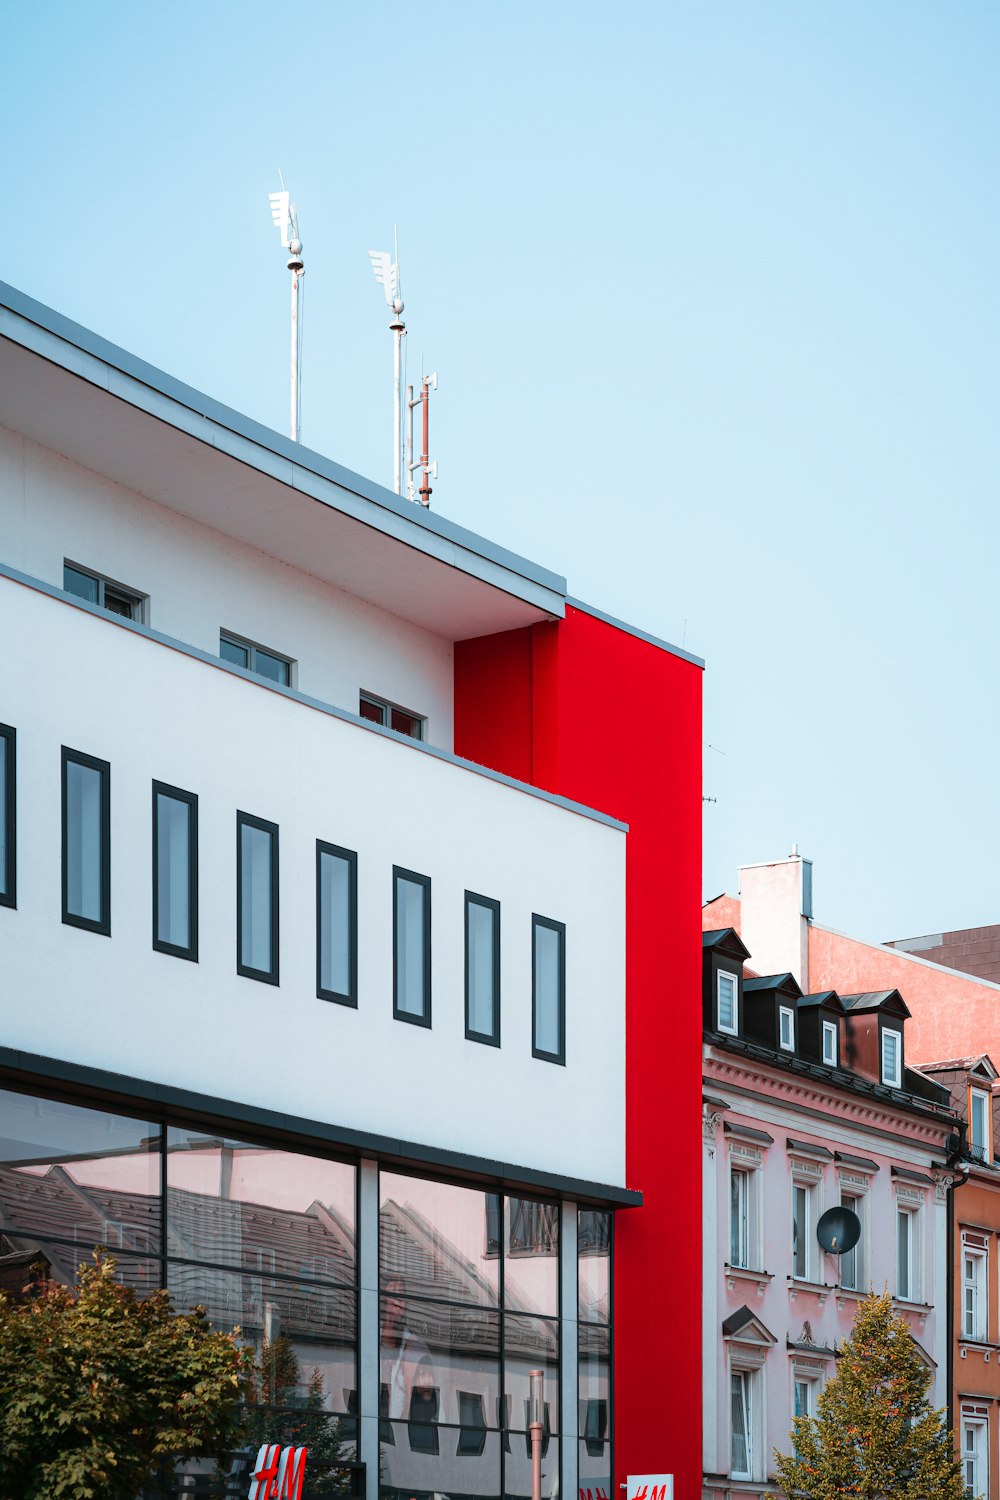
<point>876,1434</point>
<point>97,1383</point>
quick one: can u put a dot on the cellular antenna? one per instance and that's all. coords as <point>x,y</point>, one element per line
<point>428,470</point>
<point>386,269</point>
<point>285,220</point>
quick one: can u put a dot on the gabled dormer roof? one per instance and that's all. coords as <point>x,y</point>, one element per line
<point>828,999</point>
<point>726,940</point>
<point>890,1002</point>
<point>747,1328</point>
<point>977,1067</point>
<point>785,985</point>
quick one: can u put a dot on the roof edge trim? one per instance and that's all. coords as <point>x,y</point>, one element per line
<point>642,635</point>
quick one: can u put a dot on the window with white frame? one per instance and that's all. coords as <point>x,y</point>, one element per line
<point>786,1028</point>
<point>745,1386</point>
<point>830,1039</point>
<point>852,1269</point>
<point>974,1294</point>
<point>979,1124</point>
<point>908,1252</point>
<point>892,1058</point>
<point>803,1229</point>
<point>805,1392</point>
<point>975,1447</point>
<point>727,1010</point>
<point>743,1216</point>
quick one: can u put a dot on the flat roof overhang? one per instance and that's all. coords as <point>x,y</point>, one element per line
<point>73,392</point>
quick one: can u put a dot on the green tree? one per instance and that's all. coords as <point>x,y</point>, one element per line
<point>876,1434</point>
<point>97,1384</point>
<point>279,1412</point>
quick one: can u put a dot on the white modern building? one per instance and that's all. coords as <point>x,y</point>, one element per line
<point>305,1015</point>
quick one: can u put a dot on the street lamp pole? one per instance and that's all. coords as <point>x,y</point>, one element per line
<point>536,1411</point>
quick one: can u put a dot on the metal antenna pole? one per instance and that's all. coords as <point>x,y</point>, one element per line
<point>285,221</point>
<point>296,407</point>
<point>410,403</point>
<point>398,328</point>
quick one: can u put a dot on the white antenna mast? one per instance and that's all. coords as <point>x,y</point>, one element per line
<point>386,269</point>
<point>286,221</point>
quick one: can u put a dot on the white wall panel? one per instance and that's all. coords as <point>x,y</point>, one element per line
<point>200,582</point>
<point>70,677</point>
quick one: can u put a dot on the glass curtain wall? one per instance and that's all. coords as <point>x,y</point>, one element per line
<point>469,1305</point>
<point>594,1330</point>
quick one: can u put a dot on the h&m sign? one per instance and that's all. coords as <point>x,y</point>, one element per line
<point>650,1487</point>
<point>278,1473</point>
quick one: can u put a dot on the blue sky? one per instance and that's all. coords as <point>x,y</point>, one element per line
<point>712,291</point>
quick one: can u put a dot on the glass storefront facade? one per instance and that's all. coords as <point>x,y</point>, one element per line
<point>469,1291</point>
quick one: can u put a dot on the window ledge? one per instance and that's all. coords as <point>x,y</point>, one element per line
<point>921,1309</point>
<point>761,1279</point>
<point>820,1289</point>
<point>977,1346</point>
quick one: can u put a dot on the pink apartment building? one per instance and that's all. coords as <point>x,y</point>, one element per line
<point>808,1103</point>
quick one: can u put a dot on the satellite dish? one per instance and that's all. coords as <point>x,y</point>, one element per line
<point>838,1230</point>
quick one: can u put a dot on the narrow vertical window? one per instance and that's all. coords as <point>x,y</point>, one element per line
<point>786,1028</point>
<point>175,871</point>
<point>336,924</point>
<point>548,989</point>
<point>8,816</point>
<point>979,1124</point>
<point>411,947</point>
<point>830,1043</point>
<point>727,1003</point>
<point>482,969</point>
<point>739,1217</point>
<point>256,898</point>
<point>86,842</point>
<point>800,1231</point>
<point>892,1058</point>
<point>850,1261</point>
<point>904,1254</point>
<point>741,1455</point>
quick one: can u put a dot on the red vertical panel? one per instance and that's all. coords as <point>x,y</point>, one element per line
<point>493,702</point>
<point>590,745</point>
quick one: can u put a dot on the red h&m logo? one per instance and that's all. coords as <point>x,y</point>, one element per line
<point>650,1487</point>
<point>278,1474</point>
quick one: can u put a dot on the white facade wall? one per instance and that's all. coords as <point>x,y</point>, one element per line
<point>199,582</point>
<point>94,685</point>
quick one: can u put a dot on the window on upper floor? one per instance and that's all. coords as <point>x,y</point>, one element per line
<point>336,924</point>
<point>975,1454</point>
<point>258,659</point>
<point>892,1058</point>
<point>727,1003</point>
<point>8,815</point>
<point>786,1028</point>
<point>105,593</point>
<point>979,1125</point>
<point>256,898</point>
<point>907,1253</point>
<point>411,947</point>
<point>482,969</point>
<point>175,871</point>
<point>744,1217</point>
<point>852,1262</point>
<point>830,1043</point>
<point>974,1309</point>
<point>391,716</point>
<point>803,1230</point>
<point>86,842</point>
<point>548,989</point>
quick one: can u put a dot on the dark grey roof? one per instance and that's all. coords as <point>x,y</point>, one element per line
<point>775,983</point>
<point>875,1000</point>
<point>727,938</point>
<point>739,1320</point>
<point>747,1132</point>
<point>821,997</point>
<point>715,1101</point>
<point>864,1162</point>
<point>909,1176</point>
<point>809,1148</point>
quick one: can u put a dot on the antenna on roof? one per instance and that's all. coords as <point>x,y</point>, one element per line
<point>386,269</point>
<point>428,470</point>
<point>285,219</point>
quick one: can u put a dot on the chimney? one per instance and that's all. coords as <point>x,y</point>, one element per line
<point>775,912</point>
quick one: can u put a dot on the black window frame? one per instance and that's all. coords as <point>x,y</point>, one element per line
<point>351,859</point>
<point>560,928</point>
<point>251,648</point>
<point>400,873</point>
<point>138,602</point>
<point>387,706</point>
<point>491,1039</point>
<point>102,926</point>
<point>177,794</point>
<point>8,896</point>
<point>265,976</point>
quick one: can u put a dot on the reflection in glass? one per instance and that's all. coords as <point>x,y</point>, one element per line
<point>83,852</point>
<point>429,1351</point>
<point>434,1234</point>
<point>76,1174</point>
<point>595,1464</point>
<point>80,584</point>
<point>531,1269</point>
<point>530,1344</point>
<point>262,1209</point>
<point>548,968</point>
<point>594,1382</point>
<point>234,652</point>
<point>482,937</point>
<point>173,870</point>
<point>594,1252</point>
<point>271,667</point>
<point>412,902</point>
<point>29,1264</point>
<point>517,1469</point>
<point>256,845</point>
<point>336,920</point>
<point>455,1467</point>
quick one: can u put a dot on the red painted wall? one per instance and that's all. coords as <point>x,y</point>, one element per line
<point>587,710</point>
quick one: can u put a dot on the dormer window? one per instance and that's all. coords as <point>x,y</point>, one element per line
<point>728,1003</point>
<point>786,1028</point>
<point>892,1058</point>
<point>830,1030</point>
<point>979,1124</point>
